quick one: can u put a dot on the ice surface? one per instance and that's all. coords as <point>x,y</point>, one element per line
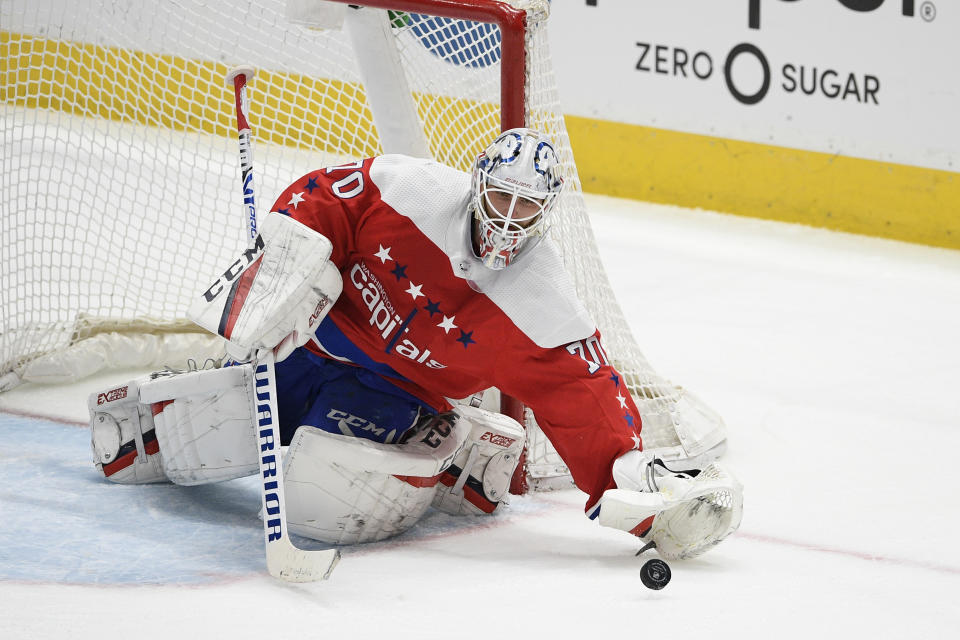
<point>834,359</point>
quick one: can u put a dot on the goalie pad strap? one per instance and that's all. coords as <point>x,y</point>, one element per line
<point>471,489</point>
<point>123,436</point>
<point>417,481</point>
<point>127,454</point>
<point>158,407</point>
<point>479,477</point>
<point>129,451</point>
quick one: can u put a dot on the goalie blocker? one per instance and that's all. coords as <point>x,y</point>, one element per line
<point>276,293</point>
<point>197,428</point>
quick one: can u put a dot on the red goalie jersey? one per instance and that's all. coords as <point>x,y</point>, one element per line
<point>419,309</point>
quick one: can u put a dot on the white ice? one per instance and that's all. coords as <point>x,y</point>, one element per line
<point>834,359</point>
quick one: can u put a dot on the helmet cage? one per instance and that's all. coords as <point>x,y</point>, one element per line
<point>516,183</point>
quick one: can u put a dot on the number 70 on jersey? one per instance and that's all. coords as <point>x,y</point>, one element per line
<point>590,352</point>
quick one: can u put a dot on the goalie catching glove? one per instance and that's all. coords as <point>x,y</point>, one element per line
<point>276,293</point>
<point>684,513</point>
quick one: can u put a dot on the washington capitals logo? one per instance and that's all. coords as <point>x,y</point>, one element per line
<point>398,331</point>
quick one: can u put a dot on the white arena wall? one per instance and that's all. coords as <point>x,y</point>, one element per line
<point>834,113</point>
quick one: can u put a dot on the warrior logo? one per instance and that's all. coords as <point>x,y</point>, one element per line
<point>269,473</point>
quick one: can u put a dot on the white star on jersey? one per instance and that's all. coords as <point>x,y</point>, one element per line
<point>447,324</point>
<point>636,441</point>
<point>623,401</point>
<point>383,254</point>
<point>296,199</point>
<point>414,291</point>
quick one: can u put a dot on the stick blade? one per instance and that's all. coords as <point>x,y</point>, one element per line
<point>298,565</point>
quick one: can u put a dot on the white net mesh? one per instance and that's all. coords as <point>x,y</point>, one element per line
<point>120,174</point>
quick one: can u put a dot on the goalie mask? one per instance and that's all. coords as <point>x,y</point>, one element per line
<point>516,181</point>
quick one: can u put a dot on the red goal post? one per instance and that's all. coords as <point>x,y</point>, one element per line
<point>513,28</point>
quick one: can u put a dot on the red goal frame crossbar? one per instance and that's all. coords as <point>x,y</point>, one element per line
<point>513,27</point>
<point>513,55</point>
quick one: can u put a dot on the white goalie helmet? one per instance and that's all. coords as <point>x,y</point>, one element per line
<point>516,181</point>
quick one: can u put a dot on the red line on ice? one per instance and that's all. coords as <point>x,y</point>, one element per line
<point>861,555</point>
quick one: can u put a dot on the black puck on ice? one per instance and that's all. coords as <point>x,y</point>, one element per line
<point>655,574</point>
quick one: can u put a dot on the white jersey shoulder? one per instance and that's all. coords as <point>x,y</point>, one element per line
<point>427,192</point>
<point>536,293</point>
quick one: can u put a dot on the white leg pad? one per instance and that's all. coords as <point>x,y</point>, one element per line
<point>123,436</point>
<point>205,425</point>
<point>345,490</point>
<point>479,478</point>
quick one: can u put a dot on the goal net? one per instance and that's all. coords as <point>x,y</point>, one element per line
<point>119,178</point>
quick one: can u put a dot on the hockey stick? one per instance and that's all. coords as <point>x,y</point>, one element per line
<point>284,560</point>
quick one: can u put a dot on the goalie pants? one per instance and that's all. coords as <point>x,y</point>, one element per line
<point>342,398</point>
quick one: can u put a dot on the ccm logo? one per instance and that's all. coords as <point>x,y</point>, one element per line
<point>499,440</point>
<point>249,256</point>
<point>113,394</point>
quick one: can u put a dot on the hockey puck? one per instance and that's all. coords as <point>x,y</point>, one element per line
<point>655,574</point>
